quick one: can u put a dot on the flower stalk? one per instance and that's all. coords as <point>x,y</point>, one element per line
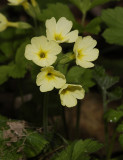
<point>45,113</point>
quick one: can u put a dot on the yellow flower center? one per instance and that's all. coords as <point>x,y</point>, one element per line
<point>80,54</point>
<point>42,54</point>
<point>49,76</point>
<point>58,37</point>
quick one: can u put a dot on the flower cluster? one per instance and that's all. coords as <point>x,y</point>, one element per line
<point>43,51</point>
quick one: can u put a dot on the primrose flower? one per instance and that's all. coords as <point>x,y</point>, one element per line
<point>60,31</point>
<point>3,22</point>
<point>16,2</point>
<point>85,52</point>
<point>48,79</point>
<point>69,94</point>
<point>42,52</point>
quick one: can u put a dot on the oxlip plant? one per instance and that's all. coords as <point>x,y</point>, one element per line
<point>49,62</point>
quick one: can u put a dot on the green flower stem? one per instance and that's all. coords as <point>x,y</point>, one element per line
<point>45,112</point>
<point>64,122</point>
<point>77,119</point>
<point>83,19</point>
<point>12,24</point>
<point>111,145</point>
<point>105,122</point>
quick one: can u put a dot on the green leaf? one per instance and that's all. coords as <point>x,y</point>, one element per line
<point>79,150</point>
<point>63,68</point>
<point>113,19</point>
<point>99,2</point>
<point>34,144</point>
<point>120,128</point>
<point>7,34</point>
<point>58,10</point>
<point>83,5</point>
<point>66,58</point>
<point>121,140</point>
<point>6,48</point>
<point>115,94</point>
<point>3,74</point>
<point>79,75</point>
<point>93,26</point>
<point>8,155</point>
<point>92,146</point>
<point>113,115</point>
<point>18,69</point>
<point>34,69</point>
<point>120,108</point>
<point>104,81</point>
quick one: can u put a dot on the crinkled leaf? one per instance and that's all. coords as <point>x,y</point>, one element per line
<point>93,26</point>
<point>58,10</point>
<point>79,75</point>
<point>120,108</point>
<point>83,5</point>
<point>92,146</point>
<point>34,69</point>
<point>6,48</point>
<point>113,19</point>
<point>99,2</point>
<point>63,68</point>
<point>7,34</point>
<point>115,94</point>
<point>120,128</point>
<point>113,115</point>
<point>18,69</point>
<point>9,155</point>
<point>79,150</point>
<point>121,140</point>
<point>4,74</point>
<point>103,80</point>
<point>34,144</point>
<point>66,58</point>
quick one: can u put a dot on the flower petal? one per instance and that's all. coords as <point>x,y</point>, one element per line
<point>59,82</point>
<point>54,48</point>
<point>46,87</point>
<point>40,78</point>
<point>39,42</point>
<point>50,28</point>
<point>87,42</point>
<point>79,94</point>
<point>29,52</point>
<point>63,26</point>
<point>72,36</point>
<point>84,64</point>
<point>91,55</point>
<point>68,100</point>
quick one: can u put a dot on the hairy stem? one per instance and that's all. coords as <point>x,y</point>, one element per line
<point>105,122</point>
<point>77,119</point>
<point>45,112</point>
<point>111,146</point>
<point>83,19</point>
<point>64,122</point>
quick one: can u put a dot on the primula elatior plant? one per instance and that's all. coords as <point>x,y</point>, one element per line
<point>43,51</point>
<point>47,56</point>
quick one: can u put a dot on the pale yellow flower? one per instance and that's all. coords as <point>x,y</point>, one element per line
<point>69,94</point>
<point>42,52</point>
<point>85,52</point>
<point>16,2</point>
<point>60,31</point>
<point>48,79</point>
<point>3,22</point>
